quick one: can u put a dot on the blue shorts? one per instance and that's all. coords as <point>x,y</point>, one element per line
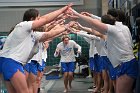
<point>42,67</point>
<point>27,67</point>
<point>10,67</point>
<point>91,63</point>
<point>68,67</point>
<point>97,67</point>
<point>1,63</point>
<point>104,62</point>
<point>32,67</point>
<point>130,68</point>
<point>112,71</point>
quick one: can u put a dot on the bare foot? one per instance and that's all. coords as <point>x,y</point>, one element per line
<point>95,90</point>
<point>102,89</point>
<point>66,90</point>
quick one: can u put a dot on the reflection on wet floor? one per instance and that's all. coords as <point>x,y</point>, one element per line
<point>79,85</point>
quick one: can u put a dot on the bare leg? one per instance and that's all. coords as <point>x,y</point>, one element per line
<point>95,78</point>
<point>31,81</point>
<point>66,81</point>
<point>114,84</point>
<point>19,83</point>
<point>35,87</point>
<point>38,82</point>
<point>98,83</point>
<point>106,81</point>
<point>70,77</point>
<point>26,74</point>
<point>110,86</point>
<point>10,87</point>
<point>124,84</point>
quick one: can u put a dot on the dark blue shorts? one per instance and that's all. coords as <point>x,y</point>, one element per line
<point>112,71</point>
<point>42,67</point>
<point>97,67</point>
<point>68,67</point>
<point>91,63</point>
<point>10,67</point>
<point>130,68</point>
<point>32,67</point>
<point>1,63</point>
<point>104,62</point>
<point>27,67</point>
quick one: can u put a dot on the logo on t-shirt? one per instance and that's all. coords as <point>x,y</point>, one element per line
<point>33,38</point>
<point>66,51</point>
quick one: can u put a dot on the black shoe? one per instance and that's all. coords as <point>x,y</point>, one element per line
<point>38,90</point>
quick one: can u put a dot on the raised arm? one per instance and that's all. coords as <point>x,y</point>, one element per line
<point>91,15</point>
<point>53,32</point>
<point>98,34</point>
<point>89,30</point>
<point>86,35</point>
<point>48,17</point>
<point>101,27</point>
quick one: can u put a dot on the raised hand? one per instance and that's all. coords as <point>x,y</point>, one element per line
<point>79,25</point>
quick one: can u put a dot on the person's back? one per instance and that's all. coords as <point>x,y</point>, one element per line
<point>15,37</point>
<point>126,32</point>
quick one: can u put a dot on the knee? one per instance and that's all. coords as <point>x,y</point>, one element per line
<point>65,74</point>
<point>70,75</point>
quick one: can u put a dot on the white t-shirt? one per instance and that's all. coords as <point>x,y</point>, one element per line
<point>118,48</point>
<point>126,32</point>
<point>91,39</point>
<point>67,51</point>
<point>22,43</point>
<point>38,56</point>
<point>44,53</point>
<point>103,49</point>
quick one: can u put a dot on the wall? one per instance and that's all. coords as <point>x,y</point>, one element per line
<point>104,7</point>
<point>11,16</point>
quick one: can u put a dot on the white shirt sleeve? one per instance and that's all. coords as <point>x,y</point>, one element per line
<point>112,30</point>
<point>87,39</point>
<point>77,46</point>
<point>86,35</point>
<point>27,25</point>
<point>38,35</point>
<point>96,17</point>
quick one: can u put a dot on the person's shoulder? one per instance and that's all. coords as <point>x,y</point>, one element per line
<point>71,41</point>
<point>112,28</point>
<point>60,44</point>
<point>24,23</point>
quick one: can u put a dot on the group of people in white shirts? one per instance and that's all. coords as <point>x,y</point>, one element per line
<point>110,50</point>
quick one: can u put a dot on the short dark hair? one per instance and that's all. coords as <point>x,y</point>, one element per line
<point>112,12</point>
<point>118,14</point>
<point>121,16</point>
<point>30,13</point>
<point>108,19</point>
